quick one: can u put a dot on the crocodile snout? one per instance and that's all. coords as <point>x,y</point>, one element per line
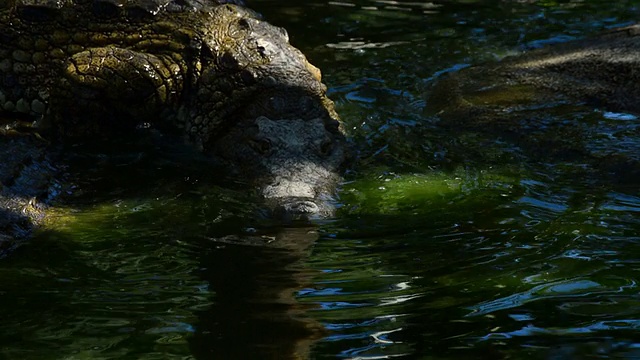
<point>293,208</point>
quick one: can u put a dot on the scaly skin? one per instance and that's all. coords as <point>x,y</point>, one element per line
<point>195,70</point>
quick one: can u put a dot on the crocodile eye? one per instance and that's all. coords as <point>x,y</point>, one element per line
<point>262,145</point>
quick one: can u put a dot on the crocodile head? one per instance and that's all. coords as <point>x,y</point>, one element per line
<point>294,163</point>
<point>247,68</point>
<point>281,131</point>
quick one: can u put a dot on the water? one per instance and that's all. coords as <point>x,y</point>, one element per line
<point>450,243</point>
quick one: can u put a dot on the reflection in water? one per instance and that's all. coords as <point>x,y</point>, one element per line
<point>255,314</point>
<point>229,297</point>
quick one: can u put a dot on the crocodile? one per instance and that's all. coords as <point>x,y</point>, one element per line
<point>211,72</point>
<point>600,70</point>
<point>525,99</point>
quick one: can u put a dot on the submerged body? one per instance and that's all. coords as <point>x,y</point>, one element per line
<point>524,100</point>
<point>600,70</point>
<point>90,70</point>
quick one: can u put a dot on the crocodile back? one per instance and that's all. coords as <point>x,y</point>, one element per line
<point>44,10</point>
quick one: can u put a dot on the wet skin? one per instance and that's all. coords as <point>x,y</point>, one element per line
<point>94,70</point>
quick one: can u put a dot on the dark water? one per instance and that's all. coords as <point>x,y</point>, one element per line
<point>449,243</point>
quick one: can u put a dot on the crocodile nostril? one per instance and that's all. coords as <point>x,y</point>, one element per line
<point>301,207</point>
<point>296,209</point>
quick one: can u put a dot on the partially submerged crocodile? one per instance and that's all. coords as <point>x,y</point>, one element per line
<point>214,73</point>
<point>525,99</point>
<point>601,70</point>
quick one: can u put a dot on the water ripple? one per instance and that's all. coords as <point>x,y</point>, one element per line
<point>561,289</point>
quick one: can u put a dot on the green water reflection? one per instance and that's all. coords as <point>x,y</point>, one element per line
<point>449,242</point>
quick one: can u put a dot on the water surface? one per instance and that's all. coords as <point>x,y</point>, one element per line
<point>449,243</point>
